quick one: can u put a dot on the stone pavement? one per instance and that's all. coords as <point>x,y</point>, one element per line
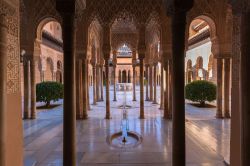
<point>207,138</point>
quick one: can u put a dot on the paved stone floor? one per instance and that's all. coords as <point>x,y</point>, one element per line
<point>207,138</point>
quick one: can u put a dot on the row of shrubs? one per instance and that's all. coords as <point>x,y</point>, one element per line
<point>196,91</point>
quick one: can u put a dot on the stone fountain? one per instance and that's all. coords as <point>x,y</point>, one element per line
<point>125,138</point>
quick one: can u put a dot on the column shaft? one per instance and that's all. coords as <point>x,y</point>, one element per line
<point>151,82</point>
<point>114,83</point>
<point>94,85</point>
<point>84,89</point>
<point>3,88</point>
<point>97,83</point>
<point>147,83</point>
<point>33,65</point>
<point>170,89</point>
<point>134,82</point>
<point>178,45</point>
<point>26,95</point>
<point>101,82</point>
<point>69,117</point>
<point>245,89</point>
<point>108,116</point>
<point>166,96</point>
<point>78,89</point>
<point>219,88</point>
<point>226,87</point>
<point>141,88</point>
<point>88,84</point>
<point>162,87</point>
<point>155,84</point>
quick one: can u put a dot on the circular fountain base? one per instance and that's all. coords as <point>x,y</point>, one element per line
<point>125,107</point>
<point>117,140</point>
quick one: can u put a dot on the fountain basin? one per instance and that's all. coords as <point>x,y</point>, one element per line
<point>124,106</point>
<point>116,140</point>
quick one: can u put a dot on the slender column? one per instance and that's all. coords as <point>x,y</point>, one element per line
<point>101,82</point>
<point>235,139</point>
<point>178,45</point>
<point>88,82</point>
<point>141,88</point>
<point>245,89</point>
<point>219,88</point>
<point>84,89</point>
<point>33,65</point>
<point>151,82</point>
<point>69,117</point>
<point>78,89</point>
<point>155,84</point>
<point>162,87</point>
<point>134,82</point>
<point>94,84</point>
<point>170,89</point>
<point>108,116</point>
<point>3,89</point>
<point>26,74</point>
<point>147,83</point>
<point>98,83</point>
<point>114,83</point>
<point>226,87</point>
<point>166,96</point>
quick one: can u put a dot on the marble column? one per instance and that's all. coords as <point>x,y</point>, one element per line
<point>78,89</point>
<point>178,46</point>
<point>219,87</point>
<point>94,83</point>
<point>69,116</point>
<point>97,83</point>
<point>235,138</point>
<point>245,89</point>
<point>3,88</point>
<point>155,84</point>
<point>33,64</point>
<point>162,87</point>
<point>108,116</point>
<point>170,88</point>
<point>101,82</point>
<point>151,82</point>
<point>134,83</point>
<point>166,96</point>
<point>141,88</point>
<point>26,74</point>
<point>114,83</point>
<point>226,87</point>
<point>84,89</point>
<point>88,84</point>
<point>147,82</point>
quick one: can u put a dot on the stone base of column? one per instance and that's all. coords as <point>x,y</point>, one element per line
<point>108,117</point>
<point>167,117</point>
<point>219,115</point>
<point>25,116</point>
<point>33,116</point>
<point>227,115</point>
<point>161,108</point>
<point>84,117</point>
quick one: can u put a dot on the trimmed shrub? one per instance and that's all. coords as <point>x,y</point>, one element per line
<point>201,91</point>
<point>49,91</point>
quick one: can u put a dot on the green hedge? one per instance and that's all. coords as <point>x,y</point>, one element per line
<point>49,91</point>
<point>201,91</point>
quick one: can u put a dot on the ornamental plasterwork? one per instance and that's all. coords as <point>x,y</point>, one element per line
<point>13,61</point>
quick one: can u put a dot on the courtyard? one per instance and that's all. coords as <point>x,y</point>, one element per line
<point>207,138</point>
